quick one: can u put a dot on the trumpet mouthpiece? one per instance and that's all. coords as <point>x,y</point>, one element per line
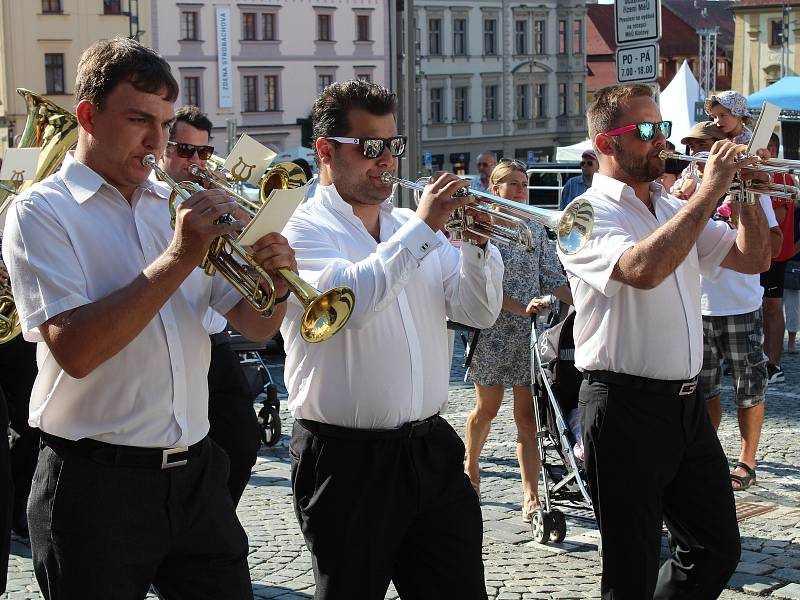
<point>386,177</point>
<point>149,160</point>
<point>665,154</point>
<point>195,170</point>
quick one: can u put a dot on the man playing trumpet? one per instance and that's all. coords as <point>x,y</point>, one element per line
<point>129,490</point>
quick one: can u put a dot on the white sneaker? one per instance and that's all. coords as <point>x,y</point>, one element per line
<point>775,374</point>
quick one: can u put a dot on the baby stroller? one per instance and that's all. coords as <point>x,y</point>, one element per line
<point>252,357</point>
<point>556,383</point>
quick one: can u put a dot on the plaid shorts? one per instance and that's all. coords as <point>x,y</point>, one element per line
<point>739,339</point>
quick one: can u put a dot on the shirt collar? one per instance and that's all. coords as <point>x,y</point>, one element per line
<point>329,196</point>
<point>616,189</point>
<point>83,182</point>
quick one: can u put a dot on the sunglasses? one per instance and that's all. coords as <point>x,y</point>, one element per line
<point>646,130</point>
<point>188,150</point>
<point>483,164</point>
<point>515,163</point>
<point>373,147</point>
<point>587,162</point>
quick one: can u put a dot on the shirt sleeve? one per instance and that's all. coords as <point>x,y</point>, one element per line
<point>595,262</point>
<point>551,274</point>
<point>473,283</point>
<point>46,276</point>
<point>377,279</point>
<point>713,245</point>
<point>223,295</point>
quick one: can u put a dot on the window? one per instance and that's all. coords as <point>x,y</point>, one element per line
<point>364,77</point>
<point>490,36</point>
<point>577,98</point>
<point>436,105</point>
<point>577,36</point>
<point>52,6</point>
<point>490,102</point>
<point>776,32</point>
<point>434,37</point>
<point>540,106</point>
<point>323,28</point>
<point>460,95</point>
<point>523,101</point>
<point>323,81</point>
<point>538,36</point>
<point>722,68</point>
<point>459,37</point>
<point>362,28</point>
<point>521,37</point>
<point>268,23</point>
<point>250,94</point>
<point>249,26</point>
<point>270,92</point>
<point>562,37</point>
<point>112,7</point>
<point>191,91</point>
<point>189,25</point>
<point>562,99</point>
<point>54,73</point>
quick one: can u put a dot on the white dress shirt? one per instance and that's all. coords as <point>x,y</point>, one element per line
<point>72,240</point>
<point>390,364</point>
<point>653,333</point>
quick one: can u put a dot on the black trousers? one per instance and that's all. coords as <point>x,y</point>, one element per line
<point>6,496</point>
<point>653,458</point>
<point>17,374</point>
<point>100,532</point>
<point>379,510</point>
<point>234,425</point>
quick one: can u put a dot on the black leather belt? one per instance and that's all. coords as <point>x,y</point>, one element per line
<point>409,430</point>
<point>664,387</point>
<point>223,337</point>
<point>112,455</point>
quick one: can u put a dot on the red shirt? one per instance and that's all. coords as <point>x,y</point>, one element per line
<point>787,225</point>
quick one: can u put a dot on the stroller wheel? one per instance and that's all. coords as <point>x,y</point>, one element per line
<point>269,421</point>
<point>559,523</point>
<point>540,526</point>
<point>272,395</point>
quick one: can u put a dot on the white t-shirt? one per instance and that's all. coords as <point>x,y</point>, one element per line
<point>735,293</point>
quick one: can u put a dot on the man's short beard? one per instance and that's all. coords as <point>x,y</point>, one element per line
<point>638,171</point>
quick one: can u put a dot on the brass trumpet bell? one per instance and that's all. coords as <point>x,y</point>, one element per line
<point>9,318</point>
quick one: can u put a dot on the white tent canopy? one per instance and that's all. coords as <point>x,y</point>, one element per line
<point>677,105</point>
<point>677,102</point>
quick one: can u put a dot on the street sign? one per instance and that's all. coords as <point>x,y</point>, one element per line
<point>637,63</point>
<point>428,160</point>
<point>637,21</point>
<point>531,157</point>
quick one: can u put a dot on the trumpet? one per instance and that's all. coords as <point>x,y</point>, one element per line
<point>745,191</point>
<point>324,313</point>
<point>508,224</point>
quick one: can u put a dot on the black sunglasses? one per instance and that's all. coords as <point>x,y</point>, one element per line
<point>188,150</point>
<point>645,130</point>
<point>373,147</point>
<point>587,162</point>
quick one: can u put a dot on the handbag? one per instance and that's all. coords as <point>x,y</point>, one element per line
<point>791,279</point>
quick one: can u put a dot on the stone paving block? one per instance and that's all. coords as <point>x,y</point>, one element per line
<point>740,581</point>
<point>786,574</point>
<point>752,568</point>
<point>791,592</point>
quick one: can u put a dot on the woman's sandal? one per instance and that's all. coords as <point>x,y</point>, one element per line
<point>743,481</point>
<point>528,510</point>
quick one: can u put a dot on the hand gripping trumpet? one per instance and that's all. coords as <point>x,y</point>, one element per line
<point>324,314</point>
<point>746,191</point>
<point>508,224</point>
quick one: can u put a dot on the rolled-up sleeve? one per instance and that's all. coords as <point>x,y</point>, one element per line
<point>473,283</point>
<point>46,276</point>
<point>377,279</point>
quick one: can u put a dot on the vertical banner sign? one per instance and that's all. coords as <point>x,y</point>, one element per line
<point>224,68</point>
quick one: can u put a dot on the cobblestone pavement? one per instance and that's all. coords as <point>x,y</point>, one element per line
<point>517,567</point>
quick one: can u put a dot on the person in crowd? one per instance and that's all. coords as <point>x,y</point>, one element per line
<point>486,163</point>
<point>379,487</point>
<point>729,112</point>
<point>638,342</point>
<point>772,280</point>
<point>503,354</point>
<point>129,491</point>
<point>233,422</point>
<point>577,185</point>
<point>699,139</point>
<point>791,290</point>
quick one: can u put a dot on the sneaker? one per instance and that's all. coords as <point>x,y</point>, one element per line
<point>775,374</point>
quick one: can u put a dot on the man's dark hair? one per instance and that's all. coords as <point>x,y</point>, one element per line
<point>774,140</point>
<point>106,63</point>
<point>191,115</point>
<point>332,107</point>
<point>609,106</point>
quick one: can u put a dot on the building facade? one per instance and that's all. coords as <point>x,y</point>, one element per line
<point>261,63</point>
<point>764,45</point>
<point>500,76</point>
<point>41,42</point>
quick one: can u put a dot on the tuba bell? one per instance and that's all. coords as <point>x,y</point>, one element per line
<point>55,131</point>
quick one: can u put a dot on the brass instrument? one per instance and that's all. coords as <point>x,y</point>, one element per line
<point>745,191</point>
<point>55,131</point>
<point>508,225</point>
<point>325,312</point>
<point>283,176</point>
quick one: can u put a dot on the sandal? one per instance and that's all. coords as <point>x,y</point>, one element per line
<point>528,510</point>
<point>743,481</point>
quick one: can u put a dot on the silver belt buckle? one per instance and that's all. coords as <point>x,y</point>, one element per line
<point>165,454</point>
<point>687,388</point>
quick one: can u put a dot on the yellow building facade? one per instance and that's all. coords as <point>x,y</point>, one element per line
<point>42,40</point>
